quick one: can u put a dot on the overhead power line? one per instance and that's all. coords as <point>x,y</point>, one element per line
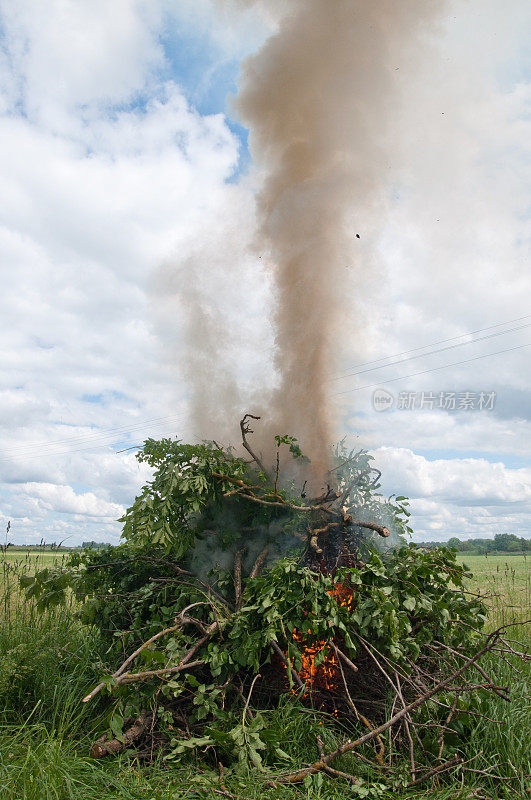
<point>442,341</point>
<point>100,438</point>
<point>97,443</point>
<point>433,369</point>
<point>433,352</point>
<point>96,446</point>
<point>103,433</point>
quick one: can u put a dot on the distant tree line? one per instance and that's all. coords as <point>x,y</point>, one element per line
<point>94,545</point>
<point>502,542</point>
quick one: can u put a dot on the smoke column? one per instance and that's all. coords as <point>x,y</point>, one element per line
<point>319,99</point>
<point>327,101</point>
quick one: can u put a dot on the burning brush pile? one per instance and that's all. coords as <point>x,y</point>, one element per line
<point>236,592</point>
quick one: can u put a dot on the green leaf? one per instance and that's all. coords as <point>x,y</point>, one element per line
<point>409,603</point>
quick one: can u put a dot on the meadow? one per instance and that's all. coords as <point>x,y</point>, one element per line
<point>49,661</point>
<point>504,581</point>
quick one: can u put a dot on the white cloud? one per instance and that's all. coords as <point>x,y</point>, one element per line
<point>107,172</point>
<point>62,499</point>
<point>465,496</point>
<point>439,430</point>
<point>462,480</point>
<point>77,53</point>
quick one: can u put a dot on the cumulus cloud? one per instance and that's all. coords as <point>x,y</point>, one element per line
<point>69,55</point>
<point>439,430</point>
<point>63,500</point>
<point>458,496</point>
<point>108,173</point>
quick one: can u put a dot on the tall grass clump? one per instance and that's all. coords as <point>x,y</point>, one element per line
<point>47,659</point>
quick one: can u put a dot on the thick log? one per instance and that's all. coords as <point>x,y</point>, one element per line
<point>111,747</point>
<point>259,563</point>
<point>373,526</point>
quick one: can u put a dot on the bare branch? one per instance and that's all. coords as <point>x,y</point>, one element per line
<point>454,762</point>
<point>277,470</point>
<point>500,691</point>
<point>259,563</point>
<point>247,494</point>
<point>373,526</point>
<point>328,497</point>
<point>128,677</point>
<point>316,532</point>
<point>238,578</point>
<point>245,429</point>
<point>346,747</point>
<point>339,653</point>
<point>440,738</point>
<point>131,658</point>
<point>408,732</point>
<point>132,677</point>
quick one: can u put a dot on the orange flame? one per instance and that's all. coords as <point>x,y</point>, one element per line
<point>325,675</point>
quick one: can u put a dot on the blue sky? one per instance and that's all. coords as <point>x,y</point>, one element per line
<point>122,169</point>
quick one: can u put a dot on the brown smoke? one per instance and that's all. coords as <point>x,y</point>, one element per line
<point>321,99</point>
<point>318,98</point>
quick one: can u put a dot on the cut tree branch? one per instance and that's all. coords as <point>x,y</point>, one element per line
<point>340,654</point>
<point>111,747</point>
<point>131,658</point>
<point>132,677</point>
<point>348,746</point>
<point>373,526</point>
<point>238,578</point>
<point>245,429</point>
<point>259,563</point>
<point>127,677</point>
<point>454,762</point>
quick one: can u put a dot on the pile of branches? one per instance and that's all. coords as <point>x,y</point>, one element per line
<point>297,603</point>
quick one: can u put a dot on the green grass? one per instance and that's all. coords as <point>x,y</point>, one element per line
<point>33,559</point>
<point>49,661</point>
<point>505,583</point>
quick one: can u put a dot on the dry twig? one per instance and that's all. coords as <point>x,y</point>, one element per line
<point>348,746</point>
<point>245,429</point>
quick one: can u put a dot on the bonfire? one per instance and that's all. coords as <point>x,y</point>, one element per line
<point>234,591</point>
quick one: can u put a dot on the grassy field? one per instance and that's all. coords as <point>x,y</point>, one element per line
<point>49,661</point>
<point>504,581</point>
<point>15,563</point>
<point>33,559</point>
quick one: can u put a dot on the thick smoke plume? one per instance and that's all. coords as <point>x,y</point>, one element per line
<point>319,99</point>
